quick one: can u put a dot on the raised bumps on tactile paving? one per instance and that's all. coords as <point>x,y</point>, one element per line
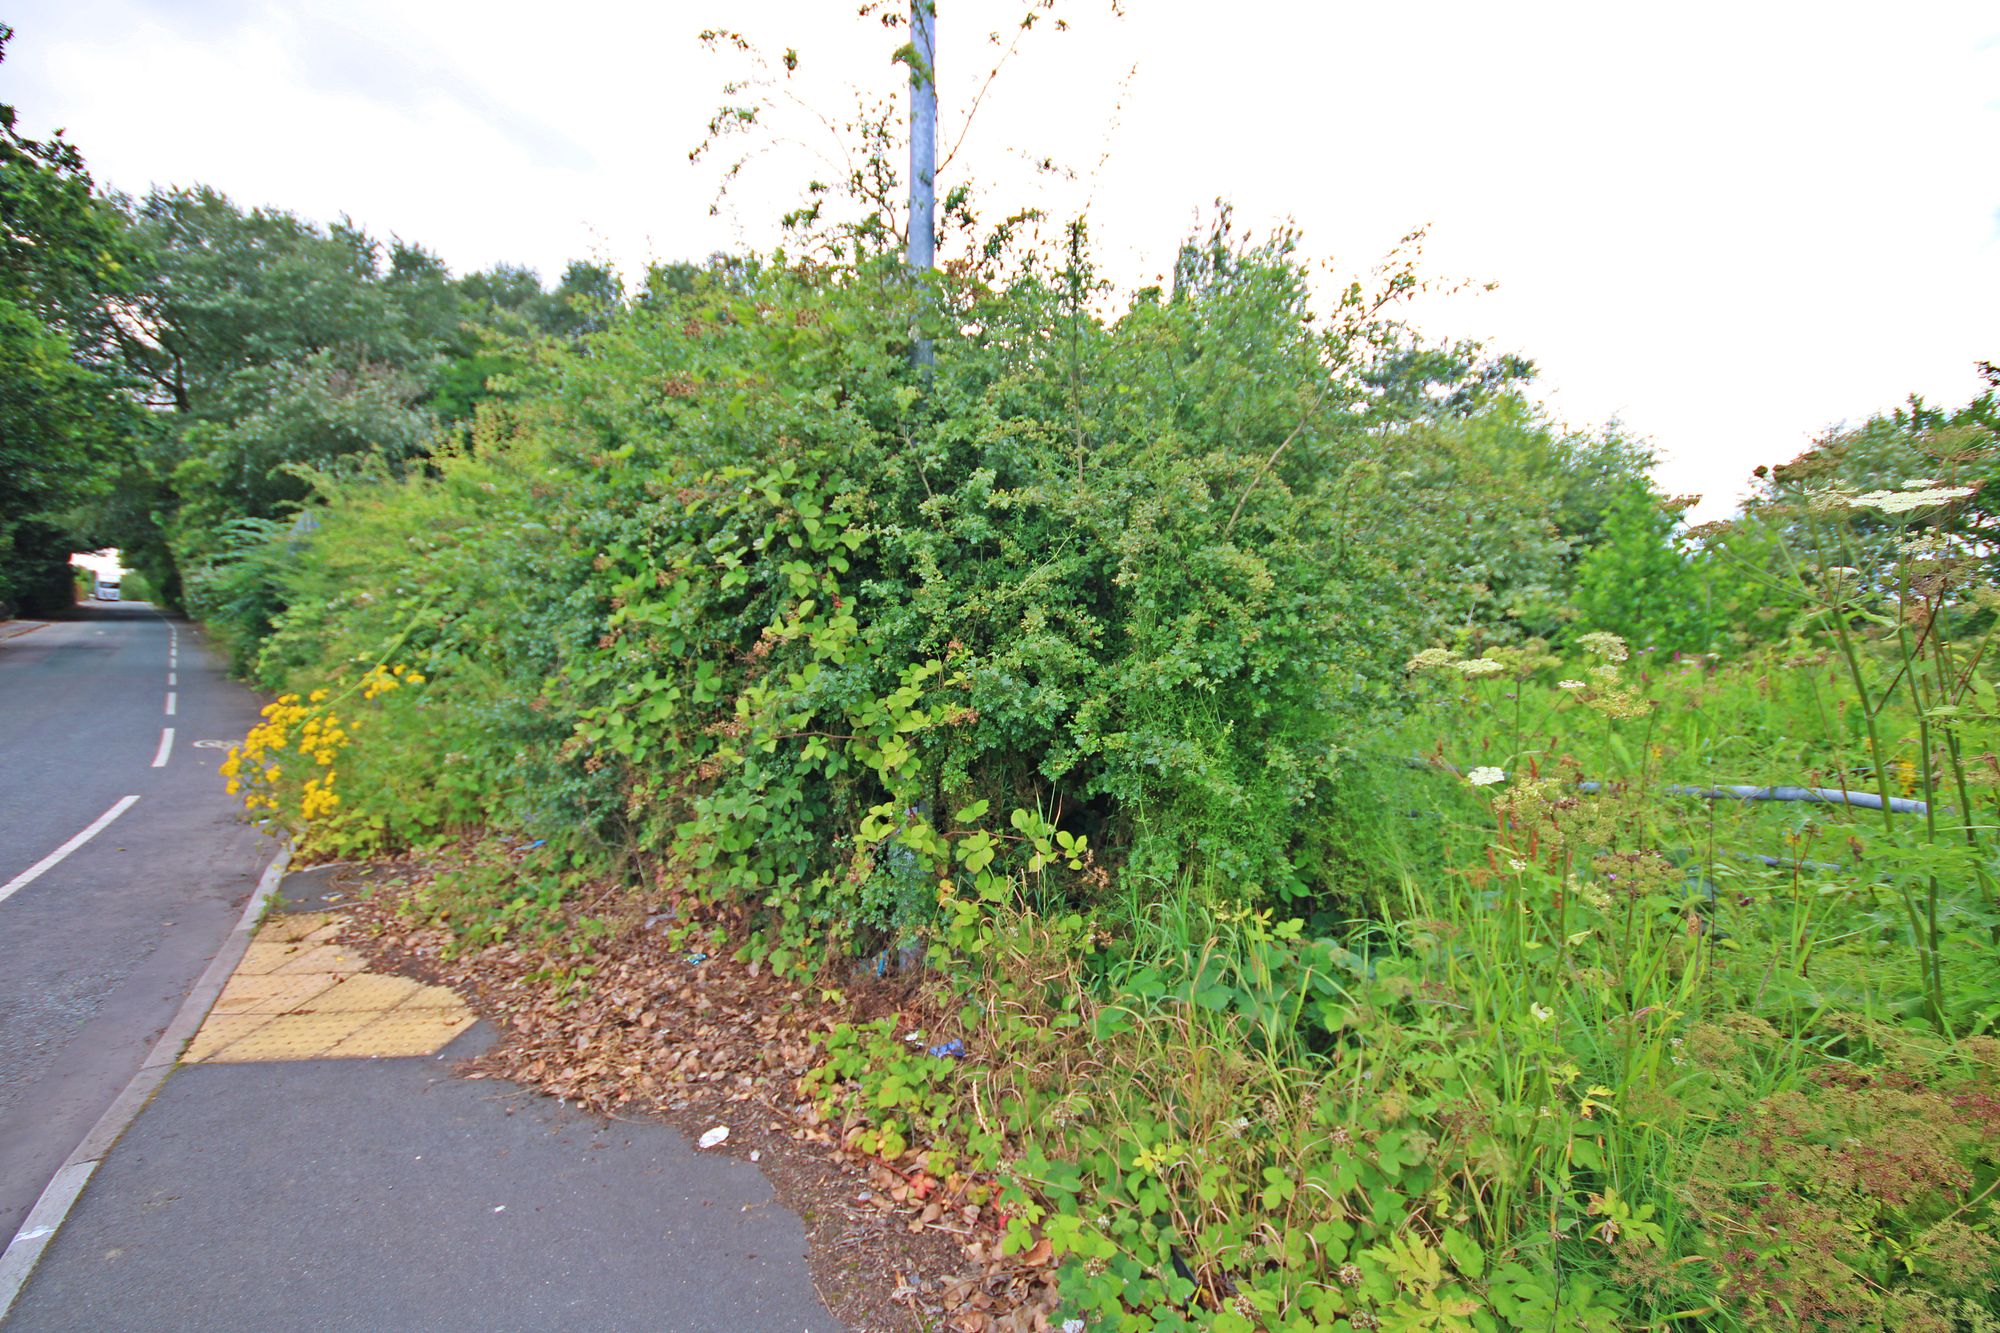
<point>297,995</point>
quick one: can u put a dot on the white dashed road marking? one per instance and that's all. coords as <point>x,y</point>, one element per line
<point>47,863</point>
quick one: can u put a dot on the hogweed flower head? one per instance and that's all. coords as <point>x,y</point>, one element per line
<point>1606,645</point>
<point>1906,501</point>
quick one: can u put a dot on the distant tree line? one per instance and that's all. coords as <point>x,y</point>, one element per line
<point>173,366</point>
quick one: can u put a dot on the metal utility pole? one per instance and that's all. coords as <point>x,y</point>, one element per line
<point>922,251</point>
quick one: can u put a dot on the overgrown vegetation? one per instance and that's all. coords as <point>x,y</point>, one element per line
<point>1334,943</point>
<point>1321,796</point>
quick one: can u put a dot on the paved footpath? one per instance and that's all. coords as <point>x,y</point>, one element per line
<point>310,1162</point>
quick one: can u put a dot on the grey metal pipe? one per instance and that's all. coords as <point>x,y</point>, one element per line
<point>1901,805</point>
<point>922,241</point>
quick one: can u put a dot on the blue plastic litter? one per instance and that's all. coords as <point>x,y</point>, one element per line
<point>696,959</point>
<point>902,958</point>
<point>951,1050</point>
<point>530,846</point>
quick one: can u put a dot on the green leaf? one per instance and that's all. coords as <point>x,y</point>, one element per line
<point>1466,1256</point>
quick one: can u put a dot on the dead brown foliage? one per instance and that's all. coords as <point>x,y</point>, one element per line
<point>652,1034</point>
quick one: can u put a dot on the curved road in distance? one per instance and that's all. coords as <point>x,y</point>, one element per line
<point>98,946</point>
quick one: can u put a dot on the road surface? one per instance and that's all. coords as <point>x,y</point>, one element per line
<point>99,943</point>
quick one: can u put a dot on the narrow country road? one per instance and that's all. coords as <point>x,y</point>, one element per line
<point>123,865</point>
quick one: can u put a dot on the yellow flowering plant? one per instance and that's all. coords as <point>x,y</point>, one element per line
<point>287,768</point>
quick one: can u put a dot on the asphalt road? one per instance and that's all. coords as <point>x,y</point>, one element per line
<point>98,950</point>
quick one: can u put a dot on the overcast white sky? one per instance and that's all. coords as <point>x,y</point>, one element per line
<point>1730,226</point>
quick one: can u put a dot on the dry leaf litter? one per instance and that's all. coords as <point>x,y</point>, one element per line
<point>721,1043</point>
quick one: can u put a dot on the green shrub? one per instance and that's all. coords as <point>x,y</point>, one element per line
<point>745,583</point>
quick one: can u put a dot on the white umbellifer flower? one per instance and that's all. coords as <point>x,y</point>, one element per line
<point>1609,646</point>
<point>1486,775</point>
<point>1431,657</point>
<point>1903,502</point>
<point>1843,572</point>
<point>1569,684</point>
<point>1605,644</point>
<point>1479,666</point>
<point>1921,484</point>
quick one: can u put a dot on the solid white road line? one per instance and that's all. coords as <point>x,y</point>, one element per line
<point>47,863</point>
<point>166,747</point>
<point>170,703</point>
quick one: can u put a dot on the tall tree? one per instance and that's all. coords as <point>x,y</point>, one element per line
<point>270,344</point>
<point>65,421</point>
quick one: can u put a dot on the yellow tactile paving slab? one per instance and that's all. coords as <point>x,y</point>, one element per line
<point>217,1031</point>
<point>298,995</point>
<point>405,1032</point>
<point>291,929</point>
<point>261,958</point>
<point>271,993</point>
<point>292,1037</point>
<point>366,991</point>
<point>322,958</point>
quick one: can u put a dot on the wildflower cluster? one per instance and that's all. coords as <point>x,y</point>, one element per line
<point>306,726</point>
<point>1444,659</point>
<point>1601,643</point>
<point>1519,661</point>
<point>1607,690</point>
<point>254,763</point>
<point>380,680</point>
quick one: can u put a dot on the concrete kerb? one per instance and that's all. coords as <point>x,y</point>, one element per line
<point>18,1262</point>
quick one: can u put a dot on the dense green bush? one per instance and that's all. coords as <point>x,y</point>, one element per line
<point>1109,569</point>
